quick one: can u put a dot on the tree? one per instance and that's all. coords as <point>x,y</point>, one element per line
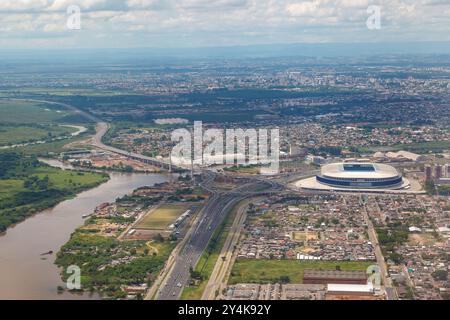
<point>441,275</point>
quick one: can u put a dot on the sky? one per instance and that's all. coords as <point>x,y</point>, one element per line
<point>203,23</point>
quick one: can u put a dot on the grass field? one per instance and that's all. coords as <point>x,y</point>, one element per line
<point>47,148</point>
<point>66,178</point>
<point>161,217</point>
<point>62,92</point>
<point>425,147</point>
<point>270,271</point>
<point>419,147</point>
<point>9,187</point>
<point>23,134</point>
<point>59,179</point>
<point>29,112</point>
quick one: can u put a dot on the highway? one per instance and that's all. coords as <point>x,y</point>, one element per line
<point>101,129</point>
<point>225,260</point>
<point>210,218</point>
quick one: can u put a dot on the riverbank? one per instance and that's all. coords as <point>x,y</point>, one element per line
<point>123,246</point>
<point>24,273</point>
<point>29,186</point>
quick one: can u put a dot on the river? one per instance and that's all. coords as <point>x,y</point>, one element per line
<point>24,273</point>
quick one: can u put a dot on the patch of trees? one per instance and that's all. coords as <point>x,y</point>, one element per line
<point>334,151</point>
<point>440,275</point>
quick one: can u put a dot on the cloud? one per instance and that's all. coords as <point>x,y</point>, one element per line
<point>221,22</point>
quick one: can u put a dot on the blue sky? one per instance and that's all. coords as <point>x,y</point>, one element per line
<point>199,23</point>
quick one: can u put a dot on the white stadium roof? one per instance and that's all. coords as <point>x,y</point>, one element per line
<point>380,171</point>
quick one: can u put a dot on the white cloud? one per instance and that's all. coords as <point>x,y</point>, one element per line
<point>219,22</point>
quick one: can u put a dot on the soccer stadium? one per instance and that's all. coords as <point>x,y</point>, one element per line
<point>356,177</point>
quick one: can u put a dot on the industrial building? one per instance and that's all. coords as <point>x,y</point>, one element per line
<point>334,276</point>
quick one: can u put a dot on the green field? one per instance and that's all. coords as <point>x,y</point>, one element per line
<point>425,147</point>
<point>63,92</point>
<point>161,217</point>
<point>24,134</point>
<point>9,187</point>
<point>59,179</point>
<point>45,149</point>
<point>270,271</point>
<point>29,112</point>
<point>419,147</point>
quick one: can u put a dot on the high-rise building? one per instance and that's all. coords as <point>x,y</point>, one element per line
<point>445,171</point>
<point>438,172</point>
<point>428,173</point>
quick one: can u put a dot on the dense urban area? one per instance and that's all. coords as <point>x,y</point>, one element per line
<point>225,231</point>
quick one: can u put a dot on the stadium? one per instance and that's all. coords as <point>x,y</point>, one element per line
<point>356,177</point>
<point>360,175</point>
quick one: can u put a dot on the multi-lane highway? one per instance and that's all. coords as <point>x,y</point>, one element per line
<point>210,218</point>
<point>225,261</point>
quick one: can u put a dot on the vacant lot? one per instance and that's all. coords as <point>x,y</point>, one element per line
<point>270,271</point>
<point>161,217</point>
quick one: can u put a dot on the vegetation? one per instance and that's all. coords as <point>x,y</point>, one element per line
<point>282,271</point>
<point>244,169</point>
<point>108,264</point>
<point>425,147</point>
<point>441,275</point>
<point>13,111</point>
<point>28,186</point>
<point>161,217</point>
<point>444,190</point>
<point>47,149</point>
<point>20,134</point>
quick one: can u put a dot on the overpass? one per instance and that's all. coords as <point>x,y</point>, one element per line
<point>102,128</point>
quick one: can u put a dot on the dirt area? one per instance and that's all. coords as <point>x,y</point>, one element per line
<point>422,239</point>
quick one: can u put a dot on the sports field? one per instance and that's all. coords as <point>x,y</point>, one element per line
<point>162,217</point>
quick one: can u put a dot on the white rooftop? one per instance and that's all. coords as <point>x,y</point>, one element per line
<point>364,288</point>
<point>366,171</point>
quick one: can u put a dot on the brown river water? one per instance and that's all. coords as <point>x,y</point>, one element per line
<point>24,273</point>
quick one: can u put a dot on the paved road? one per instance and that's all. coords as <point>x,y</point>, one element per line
<point>102,128</point>
<point>225,260</point>
<point>373,237</point>
<point>211,217</point>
